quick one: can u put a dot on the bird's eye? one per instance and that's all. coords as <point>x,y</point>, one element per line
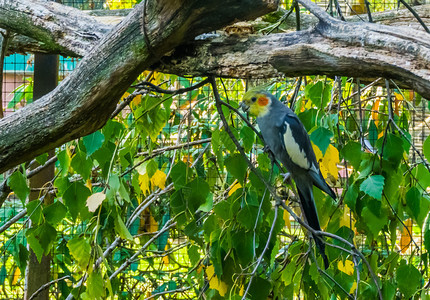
<point>253,99</point>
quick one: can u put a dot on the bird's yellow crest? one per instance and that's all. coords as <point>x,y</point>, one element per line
<point>257,101</point>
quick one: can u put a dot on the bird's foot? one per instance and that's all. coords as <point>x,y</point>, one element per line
<point>287,177</point>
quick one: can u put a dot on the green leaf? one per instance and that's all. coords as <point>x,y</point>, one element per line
<point>236,166</point>
<point>3,274</point>
<point>93,142</point>
<point>373,186</point>
<point>351,197</point>
<point>64,161</point>
<point>18,183</point>
<point>41,239</point>
<point>34,211</point>
<point>227,141</point>
<point>81,250</point>
<point>193,254</point>
<point>54,212</point>
<point>422,174</point>
<point>179,174</point>
<point>243,245</point>
<point>247,216</point>
<point>248,138</point>
<point>95,287</point>
<point>308,118</point>
<point>426,148</point>
<point>374,223</point>
<point>391,149</point>
<point>82,164</point>
<point>352,153</point>
<point>321,137</point>
<point>195,193</point>
<point>121,229</point>
<point>41,159</point>
<point>112,130</point>
<point>427,235</point>
<point>151,168</point>
<point>373,133</point>
<point>408,280</point>
<point>413,199</point>
<point>259,289</point>
<point>315,93</point>
<point>75,198</point>
<point>31,235</point>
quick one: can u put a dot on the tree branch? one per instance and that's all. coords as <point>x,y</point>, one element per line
<point>83,102</point>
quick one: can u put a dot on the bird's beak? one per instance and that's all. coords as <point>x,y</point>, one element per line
<point>243,106</point>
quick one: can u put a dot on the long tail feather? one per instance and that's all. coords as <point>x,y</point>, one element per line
<point>308,206</point>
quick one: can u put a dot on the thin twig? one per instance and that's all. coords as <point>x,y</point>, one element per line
<point>179,146</point>
<point>168,292</point>
<point>414,13</point>
<point>47,285</point>
<point>155,88</point>
<point>130,260</point>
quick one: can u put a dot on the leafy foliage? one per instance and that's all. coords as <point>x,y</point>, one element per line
<point>118,190</point>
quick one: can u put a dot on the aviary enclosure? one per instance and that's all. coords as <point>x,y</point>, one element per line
<point>175,197</point>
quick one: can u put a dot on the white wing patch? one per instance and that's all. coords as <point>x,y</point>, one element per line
<point>298,156</point>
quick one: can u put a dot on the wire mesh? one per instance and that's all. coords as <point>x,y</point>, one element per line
<point>194,118</point>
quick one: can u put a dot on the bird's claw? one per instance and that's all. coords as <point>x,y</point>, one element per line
<point>287,176</point>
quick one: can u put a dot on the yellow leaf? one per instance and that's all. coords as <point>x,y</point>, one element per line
<point>286,217</point>
<point>94,201</point>
<point>166,258</point>
<point>347,268</point>
<point>136,100</point>
<point>353,287</point>
<point>330,161</point>
<point>88,184</point>
<point>234,188</point>
<point>15,276</point>
<point>159,179</point>
<point>214,282</point>
<point>153,225</point>
<point>318,154</point>
<point>144,183</point>
<point>199,269</point>
<point>375,110</point>
<point>346,219</point>
<point>405,238</point>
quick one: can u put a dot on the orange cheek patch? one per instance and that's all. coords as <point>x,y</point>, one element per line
<point>263,101</point>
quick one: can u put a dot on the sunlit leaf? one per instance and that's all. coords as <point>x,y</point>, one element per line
<point>18,183</point>
<point>94,201</point>
<point>159,179</point>
<point>373,186</point>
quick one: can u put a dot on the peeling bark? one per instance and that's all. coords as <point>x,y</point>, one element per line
<point>84,101</point>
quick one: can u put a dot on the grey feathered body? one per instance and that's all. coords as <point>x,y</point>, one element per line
<point>305,172</point>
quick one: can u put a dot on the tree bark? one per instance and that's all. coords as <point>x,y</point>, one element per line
<point>83,101</point>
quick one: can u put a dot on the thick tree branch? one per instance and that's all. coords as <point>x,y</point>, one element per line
<point>84,101</point>
<point>332,48</point>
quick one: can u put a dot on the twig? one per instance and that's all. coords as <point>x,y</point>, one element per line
<point>260,258</point>
<point>13,220</point>
<point>369,15</point>
<point>130,260</point>
<point>47,285</point>
<point>414,13</point>
<point>155,88</point>
<point>129,98</point>
<point>168,292</point>
<point>179,146</point>
<point>321,271</point>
